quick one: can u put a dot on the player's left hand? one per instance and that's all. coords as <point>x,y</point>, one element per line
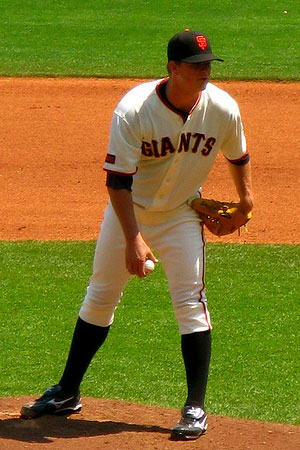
<point>221,218</point>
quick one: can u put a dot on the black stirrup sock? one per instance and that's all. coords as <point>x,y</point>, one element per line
<point>196,351</point>
<point>87,339</point>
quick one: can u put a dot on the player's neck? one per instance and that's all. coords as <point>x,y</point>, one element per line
<point>183,99</point>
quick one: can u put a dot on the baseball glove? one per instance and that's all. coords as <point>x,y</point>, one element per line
<point>220,218</point>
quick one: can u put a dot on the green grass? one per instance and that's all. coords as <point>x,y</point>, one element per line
<point>253,295</point>
<point>107,38</point>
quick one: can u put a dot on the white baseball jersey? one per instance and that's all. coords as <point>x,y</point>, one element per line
<point>169,155</point>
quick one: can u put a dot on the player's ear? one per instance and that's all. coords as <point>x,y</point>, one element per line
<point>172,67</point>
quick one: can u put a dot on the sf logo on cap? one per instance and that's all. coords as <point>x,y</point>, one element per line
<point>201,41</point>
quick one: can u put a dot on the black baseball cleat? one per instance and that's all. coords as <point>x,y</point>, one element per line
<point>53,401</point>
<point>193,424</point>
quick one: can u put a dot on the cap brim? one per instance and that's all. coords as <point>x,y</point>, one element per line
<point>202,58</point>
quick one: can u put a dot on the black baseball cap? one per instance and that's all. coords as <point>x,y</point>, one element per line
<point>191,47</point>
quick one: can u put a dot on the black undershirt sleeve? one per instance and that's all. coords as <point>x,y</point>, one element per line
<point>117,181</point>
<point>242,161</point>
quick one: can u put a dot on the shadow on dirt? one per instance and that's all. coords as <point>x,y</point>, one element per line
<point>41,430</point>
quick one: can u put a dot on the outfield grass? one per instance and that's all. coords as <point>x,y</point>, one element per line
<point>106,38</point>
<point>253,295</point>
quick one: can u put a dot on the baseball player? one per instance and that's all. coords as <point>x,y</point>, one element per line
<point>165,136</point>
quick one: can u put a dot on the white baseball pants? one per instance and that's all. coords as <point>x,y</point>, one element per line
<point>177,237</point>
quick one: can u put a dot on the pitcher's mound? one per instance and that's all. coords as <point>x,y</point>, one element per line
<point>116,425</point>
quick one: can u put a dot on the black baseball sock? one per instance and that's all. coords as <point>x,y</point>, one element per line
<point>87,339</point>
<point>196,351</point>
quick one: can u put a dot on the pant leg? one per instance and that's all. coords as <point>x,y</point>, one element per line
<point>184,265</point>
<point>178,238</point>
<point>180,242</point>
<point>109,273</point>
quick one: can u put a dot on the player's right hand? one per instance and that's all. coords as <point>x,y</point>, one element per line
<point>137,252</point>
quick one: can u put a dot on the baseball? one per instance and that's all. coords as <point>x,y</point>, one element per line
<point>149,266</point>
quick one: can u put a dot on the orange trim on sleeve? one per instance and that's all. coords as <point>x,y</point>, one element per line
<point>125,174</point>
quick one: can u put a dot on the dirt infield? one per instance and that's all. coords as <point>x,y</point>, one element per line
<point>54,135</point>
<point>113,425</point>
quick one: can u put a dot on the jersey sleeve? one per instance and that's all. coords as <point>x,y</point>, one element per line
<point>124,147</point>
<point>234,145</point>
